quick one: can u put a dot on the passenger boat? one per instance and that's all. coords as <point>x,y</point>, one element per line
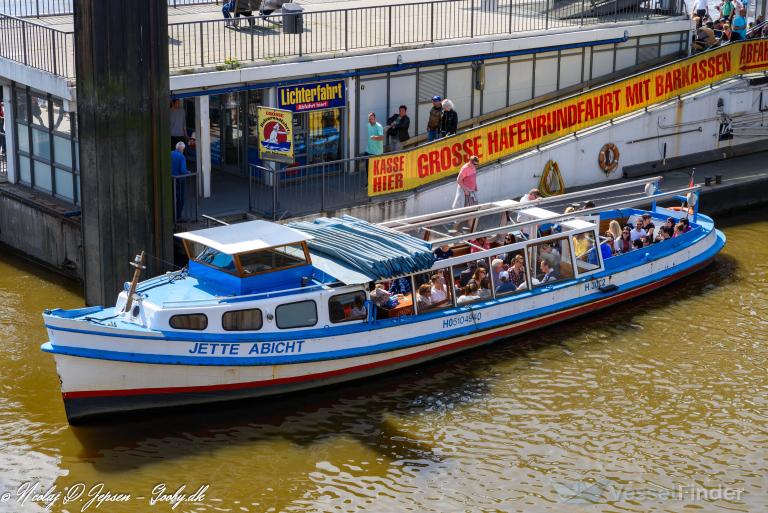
<point>265,308</point>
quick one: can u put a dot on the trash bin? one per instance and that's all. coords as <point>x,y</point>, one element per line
<point>293,20</point>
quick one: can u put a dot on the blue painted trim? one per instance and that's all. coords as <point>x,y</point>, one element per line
<point>400,67</point>
<point>611,266</point>
<point>389,346</point>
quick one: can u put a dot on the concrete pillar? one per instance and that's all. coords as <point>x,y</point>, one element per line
<point>203,129</point>
<point>121,58</point>
<point>10,126</point>
<point>353,120</point>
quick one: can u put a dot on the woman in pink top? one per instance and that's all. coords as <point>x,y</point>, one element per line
<point>467,180</point>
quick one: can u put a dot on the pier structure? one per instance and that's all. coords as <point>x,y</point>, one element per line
<point>491,58</point>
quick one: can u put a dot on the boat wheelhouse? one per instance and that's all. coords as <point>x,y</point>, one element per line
<point>265,309</point>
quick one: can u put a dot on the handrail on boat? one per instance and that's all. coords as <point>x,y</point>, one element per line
<point>562,217</point>
<point>228,299</point>
<point>461,214</point>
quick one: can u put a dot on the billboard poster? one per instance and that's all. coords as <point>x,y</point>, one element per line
<point>316,96</point>
<point>275,134</point>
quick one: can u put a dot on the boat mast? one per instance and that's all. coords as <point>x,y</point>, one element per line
<point>138,263</point>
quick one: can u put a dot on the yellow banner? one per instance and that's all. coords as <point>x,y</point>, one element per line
<point>275,134</point>
<point>501,139</point>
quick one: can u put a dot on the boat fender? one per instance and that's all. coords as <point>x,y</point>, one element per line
<point>608,158</point>
<point>611,287</point>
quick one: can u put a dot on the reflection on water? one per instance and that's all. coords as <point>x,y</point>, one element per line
<point>663,393</point>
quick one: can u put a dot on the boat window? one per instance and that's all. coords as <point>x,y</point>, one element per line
<point>550,262</point>
<point>472,281</point>
<point>296,315</point>
<point>511,279</point>
<point>586,252</point>
<point>434,290</point>
<point>210,256</point>
<point>242,320</point>
<point>347,307</point>
<point>272,259</point>
<point>393,298</point>
<point>195,321</point>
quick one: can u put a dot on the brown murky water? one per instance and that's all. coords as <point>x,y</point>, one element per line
<point>657,405</point>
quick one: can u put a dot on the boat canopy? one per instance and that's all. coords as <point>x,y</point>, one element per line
<point>367,249</point>
<point>244,237</point>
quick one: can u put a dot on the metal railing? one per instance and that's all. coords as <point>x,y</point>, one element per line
<point>38,8</point>
<point>186,200</point>
<point>299,190</point>
<point>221,42</point>
<point>37,46</point>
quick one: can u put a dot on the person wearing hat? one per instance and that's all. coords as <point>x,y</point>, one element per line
<point>433,124</point>
<point>467,181</point>
<point>467,273</point>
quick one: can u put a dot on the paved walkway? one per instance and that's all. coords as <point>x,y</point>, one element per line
<point>199,37</point>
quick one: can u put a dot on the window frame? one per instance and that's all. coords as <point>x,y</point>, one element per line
<point>596,241</point>
<point>567,237</point>
<point>261,319</point>
<point>351,293</point>
<point>277,317</point>
<point>205,326</point>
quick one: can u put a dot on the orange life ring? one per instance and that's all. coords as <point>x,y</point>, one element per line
<point>608,158</point>
<point>681,209</point>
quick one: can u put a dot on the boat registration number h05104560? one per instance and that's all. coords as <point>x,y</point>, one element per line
<point>461,320</point>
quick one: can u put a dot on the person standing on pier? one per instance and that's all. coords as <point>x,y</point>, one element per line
<point>449,122</point>
<point>179,168</point>
<point>433,124</point>
<point>398,125</point>
<point>178,120</point>
<point>374,146</point>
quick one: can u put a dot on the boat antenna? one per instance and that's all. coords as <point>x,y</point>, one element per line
<point>138,263</point>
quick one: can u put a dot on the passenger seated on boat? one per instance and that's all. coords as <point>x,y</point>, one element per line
<point>424,298</point>
<point>686,225</point>
<point>516,271</point>
<point>606,247</point>
<point>624,243</point>
<point>468,294</point>
<point>504,284</point>
<point>439,291</point>
<point>615,229</point>
<point>480,273</point>
<point>497,265</point>
<point>467,273</point>
<point>637,244</point>
<point>648,225</point>
<point>443,252</point>
<point>549,274</point>
<point>479,244</point>
<point>551,254</point>
<point>637,231</point>
<point>358,310</point>
<point>400,286</point>
<point>647,240</point>
<point>665,232</point>
<point>585,248</point>
<point>679,229</point>
<point>484,292</point>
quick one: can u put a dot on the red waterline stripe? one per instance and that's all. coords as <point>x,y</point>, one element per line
<point>519,328</point>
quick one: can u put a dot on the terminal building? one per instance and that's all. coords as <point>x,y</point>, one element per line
<point>330,67</point>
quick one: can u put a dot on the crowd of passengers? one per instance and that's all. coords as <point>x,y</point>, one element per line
<point>506,271</point>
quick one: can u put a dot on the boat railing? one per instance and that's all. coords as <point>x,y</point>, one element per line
<point>484,209</point>
<point>643,200</point>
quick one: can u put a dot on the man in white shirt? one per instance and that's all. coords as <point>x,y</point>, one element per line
<point>638,231</point>
<point>532,195</point>
<point>700,8</point>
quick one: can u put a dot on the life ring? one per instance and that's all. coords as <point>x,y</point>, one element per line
<point>608,158</point>
<point>546,181</point>
<point>681,209</point>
